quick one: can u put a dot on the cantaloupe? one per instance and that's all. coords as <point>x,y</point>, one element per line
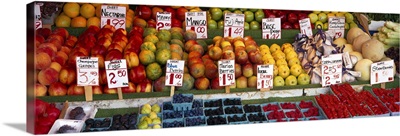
<point>359,40</point>
<point>363,66</point>
<point>373,50</point>
<point>353,33</point>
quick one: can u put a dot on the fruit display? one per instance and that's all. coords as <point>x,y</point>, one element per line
<point>251,108</point>
<point>45,116</point>
<point>321,18</point>
<point>389,97</point>
<point>332,107</point>
<point>289,18</point>
<point>259,117</point>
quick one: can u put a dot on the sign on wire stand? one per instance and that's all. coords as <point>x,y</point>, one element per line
<point>234,25</point>
<point>174,74</point>
<point>163,20</point>
<point>305,27</point>
<point>87,74</point>
<point>265,78</point>
<point>113,15</point>
<point>117,75</point>
<point>336,27</point>
<point>197,21</point>
<point>382,72</point>
<point>331,69</point>
<point>226,71</point>
<point>271,28</point>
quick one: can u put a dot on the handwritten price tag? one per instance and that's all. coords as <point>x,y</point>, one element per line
<point>174,72</point>
<point>265,76</point>
<point>234,25</point>
<point>226,70</point>
<point>117,73</point>
<point>87,71</point>
<point>332,69</point>
<point>163,20</point>
<point>271,28</point>
<point>336,26</point>
<point>197,21</point>
<point>382,72</point>
<point>305,27</point>
<point>113,15</point>
<point>38,17</point>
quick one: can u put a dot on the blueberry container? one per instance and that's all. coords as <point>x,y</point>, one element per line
<point>167,106</point>
<point>252,108</point>
<point>256,117</point>
<point>307,111</point>
<point>184,105</point>
<point>172,123</point>
<point>212,103</point>
<point>214,111</point>
<point>216,120</point>
<point>282,105</point>
<point>198,103</point>
<point>194,112</point>
<point>97,124</point>
<point>275,104</point>
<point>298,104</point>
<point>271,117</point>
<point>231,101</point>
<point>235,109</point>
<point>195,121</point>
<point>242,119</point>
<point>172,115</point>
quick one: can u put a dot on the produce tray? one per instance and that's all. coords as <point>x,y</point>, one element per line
<point>167,106</point>
<point>237,122</point>
<point>185,105</point>
<point>202,118</point>
<point>224,100</point>
<point>275,120</point>
<point>316,118</point>
<point>320,114</point>
<point>272,103</point>
<point>238,106</point>
<point>282,103</point>
<point>187,113</point>
<point>97,128</point>
<point>298,104</point>
<point>379,99</point>
<point>200,103</point>
<point>295,119</point>
<point>219,101</point>
<point>161,108</point>
<point>167,121</point>
<point>223,117</point>
<point>367,116</point>
<point>255,122</point>
<point>76,124</point>
<point>285,111</point>
<point>257,105</point>
<point>179,114</point>
<point>90,111</point>
<point>320,109</point>
<point>206,113</point>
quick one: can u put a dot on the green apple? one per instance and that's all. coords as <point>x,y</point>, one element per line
<point>291,80</point>
<point>319,24</point>
<point>143,125</point>
<point>303,79</point>
<point>216,13</point>
<point>259,15</point>
<point>313,17</point>
<point>211,24</point>
<point>221,24</point>
<point>254,25</point>
<point>322,17</point>
<point>156,108</point>
<point>283,71</point>
<point>253,10</point>
<point>296,70</point>
<point>238,12</point>
<point>246,26</point>
<point>145,110</point>
<point>248,16</point>
<point>349,17</point>
<point>279,81</point>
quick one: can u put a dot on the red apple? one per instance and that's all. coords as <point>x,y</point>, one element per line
<point>241,56</point>
<point>188,44</point>
<point>47,76</point>
<point>113,54</point>
<point>67,75</point>
<point>202,83</point>
<point>104,41</point>
<point>98,49</point>
<point>69,43</point>
<point>73,38</point>
<point>180,13</point>
<point>82,49</point>
<point>40,90</point>
<point>47,50</point>
<point>197,48</point>
<point>292,18</point>
<point>144,87</point>
<point>228,54</point>
<point>176,23</point>
<point>74,89</point>
<point>204,57</point>
<point>61,31</point>
<point>130,89</point>
<point>211,71</point>
<point>65,49</point>
<point>194,61</point>
<point>120,31</point>
<point>107,90</point>
<point>137,74</point>
<point>72,58</point>
<point>248,38</point>
<point>215,84</point>
<point>132,59</point>
<point>42,60</point>
<point>238,70</point>
<point>247,70</point>
<point>154,11</point>
<point>151,23</point>
<point>97,89</point>
<point>102,77</point>
<point>215,53</point>
<point>45,32</point>
<point>170,10</point>
<point>57,89</point>
<point>255,57</point>
<point>137,29</point>
<point>194,54</point>
<point>58,37</point>
<point>40,38</point>
<point>250,48</point>
<point>287,25</point>
<point>115,46</point>
<point>301,16</point>
<point>144,12</point>
<point>121,40</point>
<point>296,25</point>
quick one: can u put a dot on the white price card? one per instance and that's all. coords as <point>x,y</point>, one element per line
<point>336,26</point>
<point>234,25</point>
<point>163,20</point>
<point>331,69</point>
<point>117,73</point>
<point>87,71</point>
<point>174,72</point>
<point>305,27</point>
<point>382,72</point>
<point>271,28</point>
<point>265,75</point>
<point>226,71</point>
<point>38,17</point>
<point>113,15</point>
<point>197,21</point>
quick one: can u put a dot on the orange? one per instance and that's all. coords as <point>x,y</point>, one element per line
<point>130,13</point>
<point>63,21</point>
<point>78,22</point>
<point>93,21</point>
<point>71,9</point>
<point>98,11</point>
<point>87,10</point>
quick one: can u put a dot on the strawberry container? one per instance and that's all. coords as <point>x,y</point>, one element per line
<point>77,125</point>
<point>312,112</point>
<point>293,113</point>
<point>295,119</point>
<point>305,104</point>
<point>258,117</point>
<point>270,106</point>
<point>195,121</point>
<point>172,123</point>
<point>98,124</point>
<point>198,103</point>
<point>369,89</point>
<point>212,103</point>
<point>252,108</point>
<point>231,101</point>
<point>275,116</point>
<point>240,119</point>
<point>213,111</point>
<point>166,115</point>
<point>235,109</point>
<point>316,118</point>
<point>194,112</point>
<point>287,105</point>
<point>182,106</point>
<point>216,120</point>
<point>323,112</point>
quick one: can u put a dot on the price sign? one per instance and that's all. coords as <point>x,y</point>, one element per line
<point>163,20</point>
<point>87,71</point>
<point>113,15</point>
<point>382,72</point>
<point>336,26</point>
<point>38,17</point>
<point>305,27</point>
<point>331,69</point>
<point>271,28</point>
<point>174,72</point>
<point>117,73</point>
<point>197,21</point>
<point>226,70</point>
<point>265,76</point>
<point>234,25</point>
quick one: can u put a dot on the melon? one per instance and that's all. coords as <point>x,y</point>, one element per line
<point>373,50</point>
<point>353,33</point>
<point>359,40</point>
<point>363,66</point>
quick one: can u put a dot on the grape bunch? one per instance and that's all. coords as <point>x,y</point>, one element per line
<point>216,120</point>
<point>197,104</point>
<point>173,124</point>
<point>252,108</point>
<point>213,103</point>
<point>194,112</point>
<point>232,102</point>
<point>172,115</point>
<point>66,129</point>
<point>168,106</point>
<point>233,110</point>
<point>236,118</point>
<point>212,112</point>
<point>393,53</point>
<point>77,113</point>
<point>257,117</point>
<point>195,121</point>
<point>180,98</point>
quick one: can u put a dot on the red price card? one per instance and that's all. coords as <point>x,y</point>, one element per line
<point>305,27</point>
<point>265,76</point>
<point>226,70</point>
<point>271,28</point>
<point>113,15</point>
<point>234,25</point>
<point>331,69</point>
<point>38,17</point>
<point>336,26</point>
<point>163,20</point>
<point>87,71</point>
<point>197,21</point>
<point>382,72</point>
<point>117,73</point>
<point>174,72</point>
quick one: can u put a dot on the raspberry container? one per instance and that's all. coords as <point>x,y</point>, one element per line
<point>284,105</point>
<point>231,101</point>
<point>305,107</point>
<point>288,112</point>
<point>271,118</point>
<point>265,105</point>
<point>230,121</point>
